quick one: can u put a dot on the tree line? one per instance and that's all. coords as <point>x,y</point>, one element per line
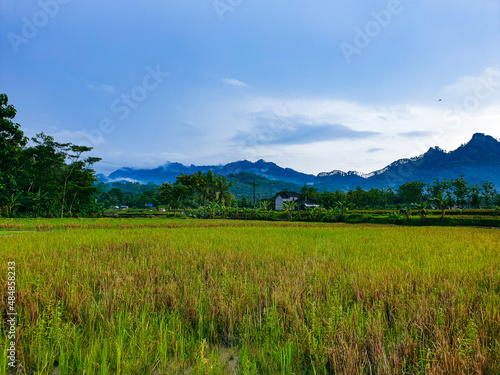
<point>439,193</point>
<point>42,177</point>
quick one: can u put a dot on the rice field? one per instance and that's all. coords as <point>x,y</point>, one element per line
<point>158,296</point>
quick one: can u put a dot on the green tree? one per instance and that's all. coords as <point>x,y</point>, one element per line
<point>204,189</point>
<point>358,197</point>
<point>310,192</point>
<point>342,206</point>
<point>488,191</point>
<point>422,209</point>
<point>222,193</point>
<point>412,192</point>
<point>44,177</point>
<point>460,190</point>
<point>440,200</point>
<point>475,196</point>
<point>12,141</point>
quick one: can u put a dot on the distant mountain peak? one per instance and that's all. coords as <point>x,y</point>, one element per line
<point>478,160</point>
<point>483,138</point>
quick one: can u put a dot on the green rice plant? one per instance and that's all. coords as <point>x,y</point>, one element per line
<point>155,296</point>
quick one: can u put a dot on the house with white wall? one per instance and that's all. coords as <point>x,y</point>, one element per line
<point>291,196</point>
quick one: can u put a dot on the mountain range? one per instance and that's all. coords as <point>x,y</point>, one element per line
<point>478,160</point>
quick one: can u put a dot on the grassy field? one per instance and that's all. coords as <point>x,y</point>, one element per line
<point>158,296</point>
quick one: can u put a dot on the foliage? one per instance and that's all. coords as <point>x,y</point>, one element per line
<point>198,189</point>
<point>45,176</point>
<point>12,141</point>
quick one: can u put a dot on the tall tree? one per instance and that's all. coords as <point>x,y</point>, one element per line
<point>440,200</point>
<point>460,190</point>
<point>222,193</point>
<point>204,189</point>
<point>12,141</point>
<point>412,192</point>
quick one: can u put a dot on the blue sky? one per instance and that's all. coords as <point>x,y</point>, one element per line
<point>313,86</point>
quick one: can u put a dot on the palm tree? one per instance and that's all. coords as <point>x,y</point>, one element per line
<point>342,207</point>
<point>422,209</point>
<point>440,199</point>
<point>222,193</point>
<point>205,188</point>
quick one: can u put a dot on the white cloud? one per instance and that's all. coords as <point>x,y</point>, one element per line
<point>260,127</point>
<point>101,88</point>
<point>401,131</point>
<point>78,137</point>
<point>122,179</point>
<point>234,82</point>
<point>483,86</point>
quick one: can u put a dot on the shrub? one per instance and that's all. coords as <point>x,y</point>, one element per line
<point>4,211</point>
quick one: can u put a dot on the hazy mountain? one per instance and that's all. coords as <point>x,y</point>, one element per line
<point>170,171</point>
<point>478,160</point>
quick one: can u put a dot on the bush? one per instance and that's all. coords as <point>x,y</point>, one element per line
<point>4,211</point>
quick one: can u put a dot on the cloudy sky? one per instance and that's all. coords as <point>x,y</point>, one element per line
<point>311,85</point>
